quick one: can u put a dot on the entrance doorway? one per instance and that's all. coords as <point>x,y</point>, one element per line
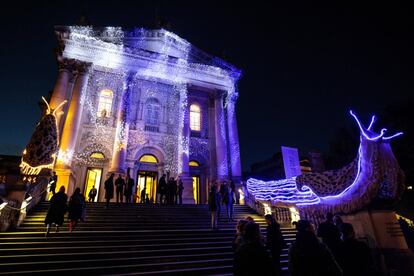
<point>147,181</point>
<point>93,178</point>
<point>196,189</point>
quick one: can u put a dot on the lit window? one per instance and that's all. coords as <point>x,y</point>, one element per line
<point>193,163</point>
<point>97,155</point>
<point>152,112</point>
<point>105,103</point>
<point>195,117</point>
<point>147,158</point>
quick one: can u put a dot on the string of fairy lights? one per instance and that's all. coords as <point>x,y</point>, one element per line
<point>111,51</point>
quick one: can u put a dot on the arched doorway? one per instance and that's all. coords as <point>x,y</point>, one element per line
<point>94,174</point>
<point>196,176</point>
<point>147,178</point>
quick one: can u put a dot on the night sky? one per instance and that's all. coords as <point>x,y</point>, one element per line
<point>304,66</point>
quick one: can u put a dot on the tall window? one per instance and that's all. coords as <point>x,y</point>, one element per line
<point>152,112</point>
<point>195,117</point>
<point>105,103</point>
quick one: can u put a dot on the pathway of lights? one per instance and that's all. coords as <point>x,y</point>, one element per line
<point>287,191</point>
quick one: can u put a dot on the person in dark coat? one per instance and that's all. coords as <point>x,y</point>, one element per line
<point>172,190</point>
<point>329,233</point>
<point>76,208</point>
<point>308,256</point>
<point>53,183</point>
<point>229,199</point>
<point>252,257</point>
<point>213,206</point>
<point>92,194</point>
<point>109,189</point>
<point>57,210</point>
<point>180,190</point>
<point>354,256</point>
<point>274,240</point>
<point>128,189</point>
<point>162,188</point>
<point>238,240</point>
<point>120,186</point>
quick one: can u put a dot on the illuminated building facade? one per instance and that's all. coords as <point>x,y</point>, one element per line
<point>145,102</point>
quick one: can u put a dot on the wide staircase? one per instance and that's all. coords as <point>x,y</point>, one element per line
<point>128,239</point>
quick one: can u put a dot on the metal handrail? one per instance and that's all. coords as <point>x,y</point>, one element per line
<point>27,200</point>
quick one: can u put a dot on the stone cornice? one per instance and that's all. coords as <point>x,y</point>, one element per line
<point>149,64</point>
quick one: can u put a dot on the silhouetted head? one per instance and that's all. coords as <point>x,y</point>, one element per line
<point>112,175</point>
<point>304,226</point>
<point>269,219</point>
<point>77,191</point>
<point>240,226</point>
<point>337,220</point>
<point>251,232</point>
<point>329,216</point>
<point>347,231</point>
<point>62,189</point>
<point>250,219</point>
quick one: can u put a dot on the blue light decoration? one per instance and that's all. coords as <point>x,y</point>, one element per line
<point>365,184</point>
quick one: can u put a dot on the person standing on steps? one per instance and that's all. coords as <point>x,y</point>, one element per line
<point>162,188</point>
<point>53,182</point>
<point>57,210</point>
<point>92,194</point>
<point>309,256</point>
<point>329,233</point>
<point>274,240</point>
<point>120,185</point>
<point>109,189</point>
<point>128,189</point>
<point>76,209</point>
<point>180,189</point>
<point>229,200</point>
<point>213,206</point>
<point>252,257</point>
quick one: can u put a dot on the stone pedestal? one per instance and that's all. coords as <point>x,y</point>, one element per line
<point>379,226</point>
<point>188,195</point>
<point>381,230</point>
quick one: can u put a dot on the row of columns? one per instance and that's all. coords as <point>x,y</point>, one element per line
<point>227,140</point>
<point>226,135</point>
<point>69,124</point>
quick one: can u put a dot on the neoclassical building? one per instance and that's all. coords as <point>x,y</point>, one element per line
<point>143,102</point>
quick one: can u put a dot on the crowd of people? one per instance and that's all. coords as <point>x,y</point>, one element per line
<point>331,250</point>
<point>59,206</point>
<point>226,197</point>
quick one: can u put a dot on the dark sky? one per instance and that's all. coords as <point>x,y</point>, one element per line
<point>304,66</point>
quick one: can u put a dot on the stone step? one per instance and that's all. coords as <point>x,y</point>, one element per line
<point>128,239</point>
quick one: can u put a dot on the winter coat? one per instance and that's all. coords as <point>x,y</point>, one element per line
<point>213,201</point>
<point>57,209</point>
<point>309,257</point>
<point>109,188</point>
<point>76,205</point>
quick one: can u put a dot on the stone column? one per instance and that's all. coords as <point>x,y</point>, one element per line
<point>70,130</point>
<point>233,135</point>
<point>61,87</point>
<point>184,140</point>
<point>122,127</point>
<point>220,138</point>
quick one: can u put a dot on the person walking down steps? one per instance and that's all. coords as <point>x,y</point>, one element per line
<point>57,210</point>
